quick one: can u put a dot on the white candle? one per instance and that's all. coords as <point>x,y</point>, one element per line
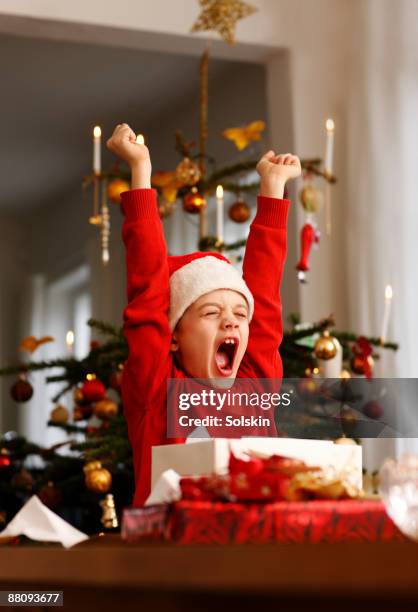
<point>220,213</point>
<point>140,139</point>
<point>97,139</point>
<point>386,313</point>
<point>69,339</point>
<point>329,149</point>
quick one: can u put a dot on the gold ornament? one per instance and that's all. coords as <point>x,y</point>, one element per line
<point>239,212</point>
<point>59,414</point>
<point>109,518</point>
<point>311,199</point>
<point>168,184</point>
<point>115,188</point>
<point>105,408</point>
<point>97,478</point>
<point>78,396</point>
<point>222,16</point>
<point>78,413</point>
<point>187,172</point>
<point>242,136</point>
<point>346,441</point>
<point>325,347</point>
<point>193,202</point>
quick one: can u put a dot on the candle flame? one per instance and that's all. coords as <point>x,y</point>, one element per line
<point>330,125</point>
<point>388,293</point>
<point>97,132</point>
<point>219,192</point>
<point>91,376</point>
<point>69,338</point>
<point>140,139</point>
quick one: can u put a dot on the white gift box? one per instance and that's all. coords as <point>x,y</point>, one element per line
<point>211,456</point>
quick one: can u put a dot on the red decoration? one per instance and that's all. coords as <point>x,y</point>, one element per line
<point>373,410</point>
<point>308,236</point>
<point>50,496</point>
<point>362,361</point>
<point>4,461</point>
<point>206,522</point>
<point>22,390</point>
<point>239,211</point>
<point>93,390</point>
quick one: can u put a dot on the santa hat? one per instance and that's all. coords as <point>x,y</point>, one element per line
<point>195,274</point>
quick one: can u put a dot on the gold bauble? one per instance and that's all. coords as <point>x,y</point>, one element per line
<point>97,478</point>
<point>325,347</point>
<point>239,211</point>
<point>59,414</point>
<point>105,409</point>
<point>115,188</point>
<point>78,396</point>
<point>193,202</point>
<point>311,199</point>
<point>187,172</point>
<point>78,413</point>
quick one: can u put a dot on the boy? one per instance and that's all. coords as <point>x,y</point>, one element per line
<point>194,315</point>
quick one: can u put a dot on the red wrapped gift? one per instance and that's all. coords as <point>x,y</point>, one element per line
<point>282,522</point>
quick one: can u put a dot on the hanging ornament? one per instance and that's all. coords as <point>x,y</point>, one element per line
<point>243,136</point>
<point>109,518</point>
<point>222,16</point>
<point>311,198</point>
<point>115,188</point>
<point>78,413</point>
<point>362,361</point>
<point>22,480</point>
<point>105,409</point>
<point>21,390</point>
<point>325,347</point>
<point>348,421</point>
<point>59,415</point>
<point>187,172</point>
<point>5,461</point>
<point>239,211</point>
<point>309,235</point>
<point>93,390</point>
<point>115,379</point>
<point>97,478</point>
<point>373,409</point>
<point>193,202</point>
<point>49,495</point>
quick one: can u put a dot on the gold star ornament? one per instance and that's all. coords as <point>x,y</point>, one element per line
<point>222,16</point>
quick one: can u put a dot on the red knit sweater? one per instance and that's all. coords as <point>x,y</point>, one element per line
<point>150,363</point>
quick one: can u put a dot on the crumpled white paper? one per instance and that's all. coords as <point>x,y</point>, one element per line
<point>38,522</point>
<point>166,489</point>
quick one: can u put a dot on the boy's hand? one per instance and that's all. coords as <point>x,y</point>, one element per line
<point>275,170</point>
<point>123,144</point>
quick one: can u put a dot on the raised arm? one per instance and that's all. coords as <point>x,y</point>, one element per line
<point>145,316</point>
<point>264,260</point>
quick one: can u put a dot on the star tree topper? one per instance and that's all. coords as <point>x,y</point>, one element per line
<point>222,16</point>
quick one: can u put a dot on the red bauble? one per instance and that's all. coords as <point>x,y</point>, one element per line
<point>239,212</point>
<point>4,461</point>
<point>193,202</point>
<point>93,390</point>
<point>361,364</point>
<point>373,410</point>
<point>22,390</point>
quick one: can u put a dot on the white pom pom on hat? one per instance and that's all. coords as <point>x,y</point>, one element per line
<point>196,274</point>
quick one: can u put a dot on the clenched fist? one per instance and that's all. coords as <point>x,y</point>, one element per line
<point>123,144</point>
<point>275,171</point>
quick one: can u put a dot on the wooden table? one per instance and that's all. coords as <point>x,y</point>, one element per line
<point>104,573</point>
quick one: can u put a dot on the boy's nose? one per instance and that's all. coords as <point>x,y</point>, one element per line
<point>230,323</point>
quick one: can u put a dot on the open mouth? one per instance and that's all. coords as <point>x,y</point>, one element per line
<point>225,356</point>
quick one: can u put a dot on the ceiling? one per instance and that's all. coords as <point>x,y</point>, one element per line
<point>54,92</point>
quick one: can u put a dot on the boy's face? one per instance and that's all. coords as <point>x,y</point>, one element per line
<point>212,336</point>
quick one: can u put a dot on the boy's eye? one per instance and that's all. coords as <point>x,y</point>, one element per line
<point>242,315</point>
<point>211,312</point>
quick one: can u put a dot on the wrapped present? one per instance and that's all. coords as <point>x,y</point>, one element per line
<point>213,522</point>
